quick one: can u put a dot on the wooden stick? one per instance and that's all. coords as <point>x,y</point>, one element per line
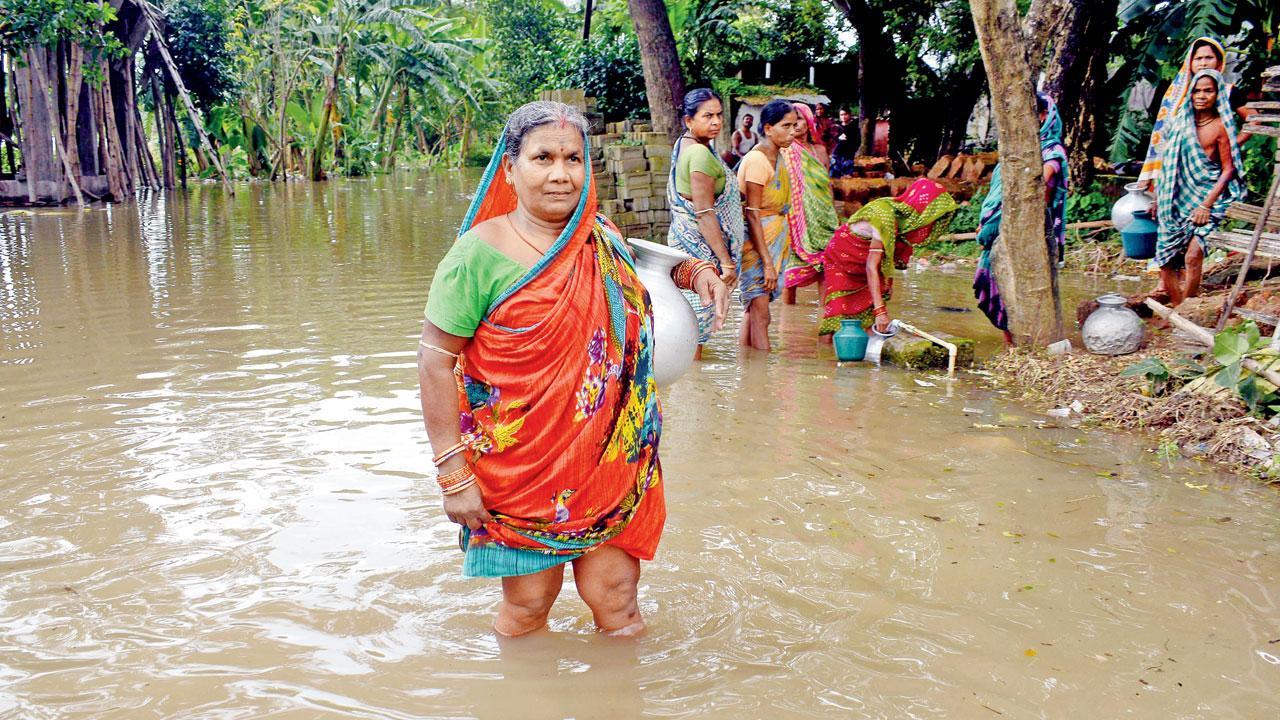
<point>1091,224</point>
<point>1205,337</point>
<point>1253,245</point>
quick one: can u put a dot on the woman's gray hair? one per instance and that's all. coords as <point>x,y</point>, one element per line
<point>531,116</point>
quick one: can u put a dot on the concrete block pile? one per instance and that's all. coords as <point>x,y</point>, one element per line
<point>631,164</point>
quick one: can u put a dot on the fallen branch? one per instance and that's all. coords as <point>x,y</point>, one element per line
<point>1205,337</point>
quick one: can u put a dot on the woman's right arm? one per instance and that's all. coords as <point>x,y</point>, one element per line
<point>439,398</point>
<point>875,260</point>
<point>703,188</point>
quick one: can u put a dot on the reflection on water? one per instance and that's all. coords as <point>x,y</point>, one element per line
<point>214,505</point>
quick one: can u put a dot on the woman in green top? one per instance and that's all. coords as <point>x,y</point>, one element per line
<point>702,192</point>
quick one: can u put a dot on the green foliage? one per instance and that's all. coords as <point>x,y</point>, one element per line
<point>530,40</point>
<point>1162,378</point>
<point>966,217</point>
<point>608,69</point>
<point>45,23</point>
<point>1257,155</point>
<point>1088,206</point>
<point>1231,348</point>
<point>198,34</point>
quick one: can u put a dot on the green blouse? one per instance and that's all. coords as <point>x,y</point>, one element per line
<point>467,281</point>
<point>697,157</point>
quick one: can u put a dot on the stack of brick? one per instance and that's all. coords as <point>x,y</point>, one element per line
<point>631,164</point>
<point>577,98</point>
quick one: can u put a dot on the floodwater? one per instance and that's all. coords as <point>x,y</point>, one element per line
<point>213,504</point>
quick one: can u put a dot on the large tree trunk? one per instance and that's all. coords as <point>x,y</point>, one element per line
<point>40,60</point>
<point>1024,267</point>
<point>1077,77</point>
<point>71,103</point>
<point>663,80</point>
<point>117,177</point>
<point>34,140</point>
<point>879,68</point>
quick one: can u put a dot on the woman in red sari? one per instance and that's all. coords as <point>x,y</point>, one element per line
<point>535,365</point>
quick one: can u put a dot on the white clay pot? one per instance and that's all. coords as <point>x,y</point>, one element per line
<point>675,326</point>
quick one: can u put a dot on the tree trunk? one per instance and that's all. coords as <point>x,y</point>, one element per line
<point>663,80</point>
<point>150,177</point>
<point>168,171</point>
<point>129,109</point>
<point>180,145</point>
<point>322,133</point>
<point>1024,268</point>
<point>878,67</point>
<point>87,130</point>
<point>71,85</point>
<point>39,58</point>
<point>117,180</point>
<point>34,141</point>
<point>1077,78</point>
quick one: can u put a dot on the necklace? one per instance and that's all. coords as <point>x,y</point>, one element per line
<point>524,239</point>
<point>1206,122</point>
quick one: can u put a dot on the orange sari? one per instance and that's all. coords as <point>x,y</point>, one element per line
<point>557,397</point>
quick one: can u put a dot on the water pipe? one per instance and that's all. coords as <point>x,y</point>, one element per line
<point>952,350</point>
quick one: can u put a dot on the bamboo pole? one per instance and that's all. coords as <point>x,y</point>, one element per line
<point>1205,337</point>
<point>1253,244</point>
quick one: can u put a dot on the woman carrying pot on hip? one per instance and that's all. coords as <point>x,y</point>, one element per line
<point>536,369</point>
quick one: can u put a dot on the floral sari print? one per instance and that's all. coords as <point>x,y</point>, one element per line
<point>558,402</point>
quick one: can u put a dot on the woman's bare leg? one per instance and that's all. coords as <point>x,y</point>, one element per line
<point>526,600</point>
<point>607,578</point>
<point>757,322</point>
<point>789,296</point>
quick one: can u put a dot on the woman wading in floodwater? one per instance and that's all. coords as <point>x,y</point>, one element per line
<point>766,192</point>
<point>702,192</point>
<point>536,369</point>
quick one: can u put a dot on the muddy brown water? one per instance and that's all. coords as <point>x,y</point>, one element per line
<point>213,505</point>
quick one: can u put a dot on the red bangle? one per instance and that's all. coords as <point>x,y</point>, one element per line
<point>880,311</point>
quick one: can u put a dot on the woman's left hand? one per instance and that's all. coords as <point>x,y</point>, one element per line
<point>881,323</point>
<point>712,291</point>
<point>1200,216</point>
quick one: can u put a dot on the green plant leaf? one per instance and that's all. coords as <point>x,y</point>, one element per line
<point>1229,376</point>
<point>1248,389</point>
<point>1185,369</point>
<point>1153,368</point>
<point>1229,347</point>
